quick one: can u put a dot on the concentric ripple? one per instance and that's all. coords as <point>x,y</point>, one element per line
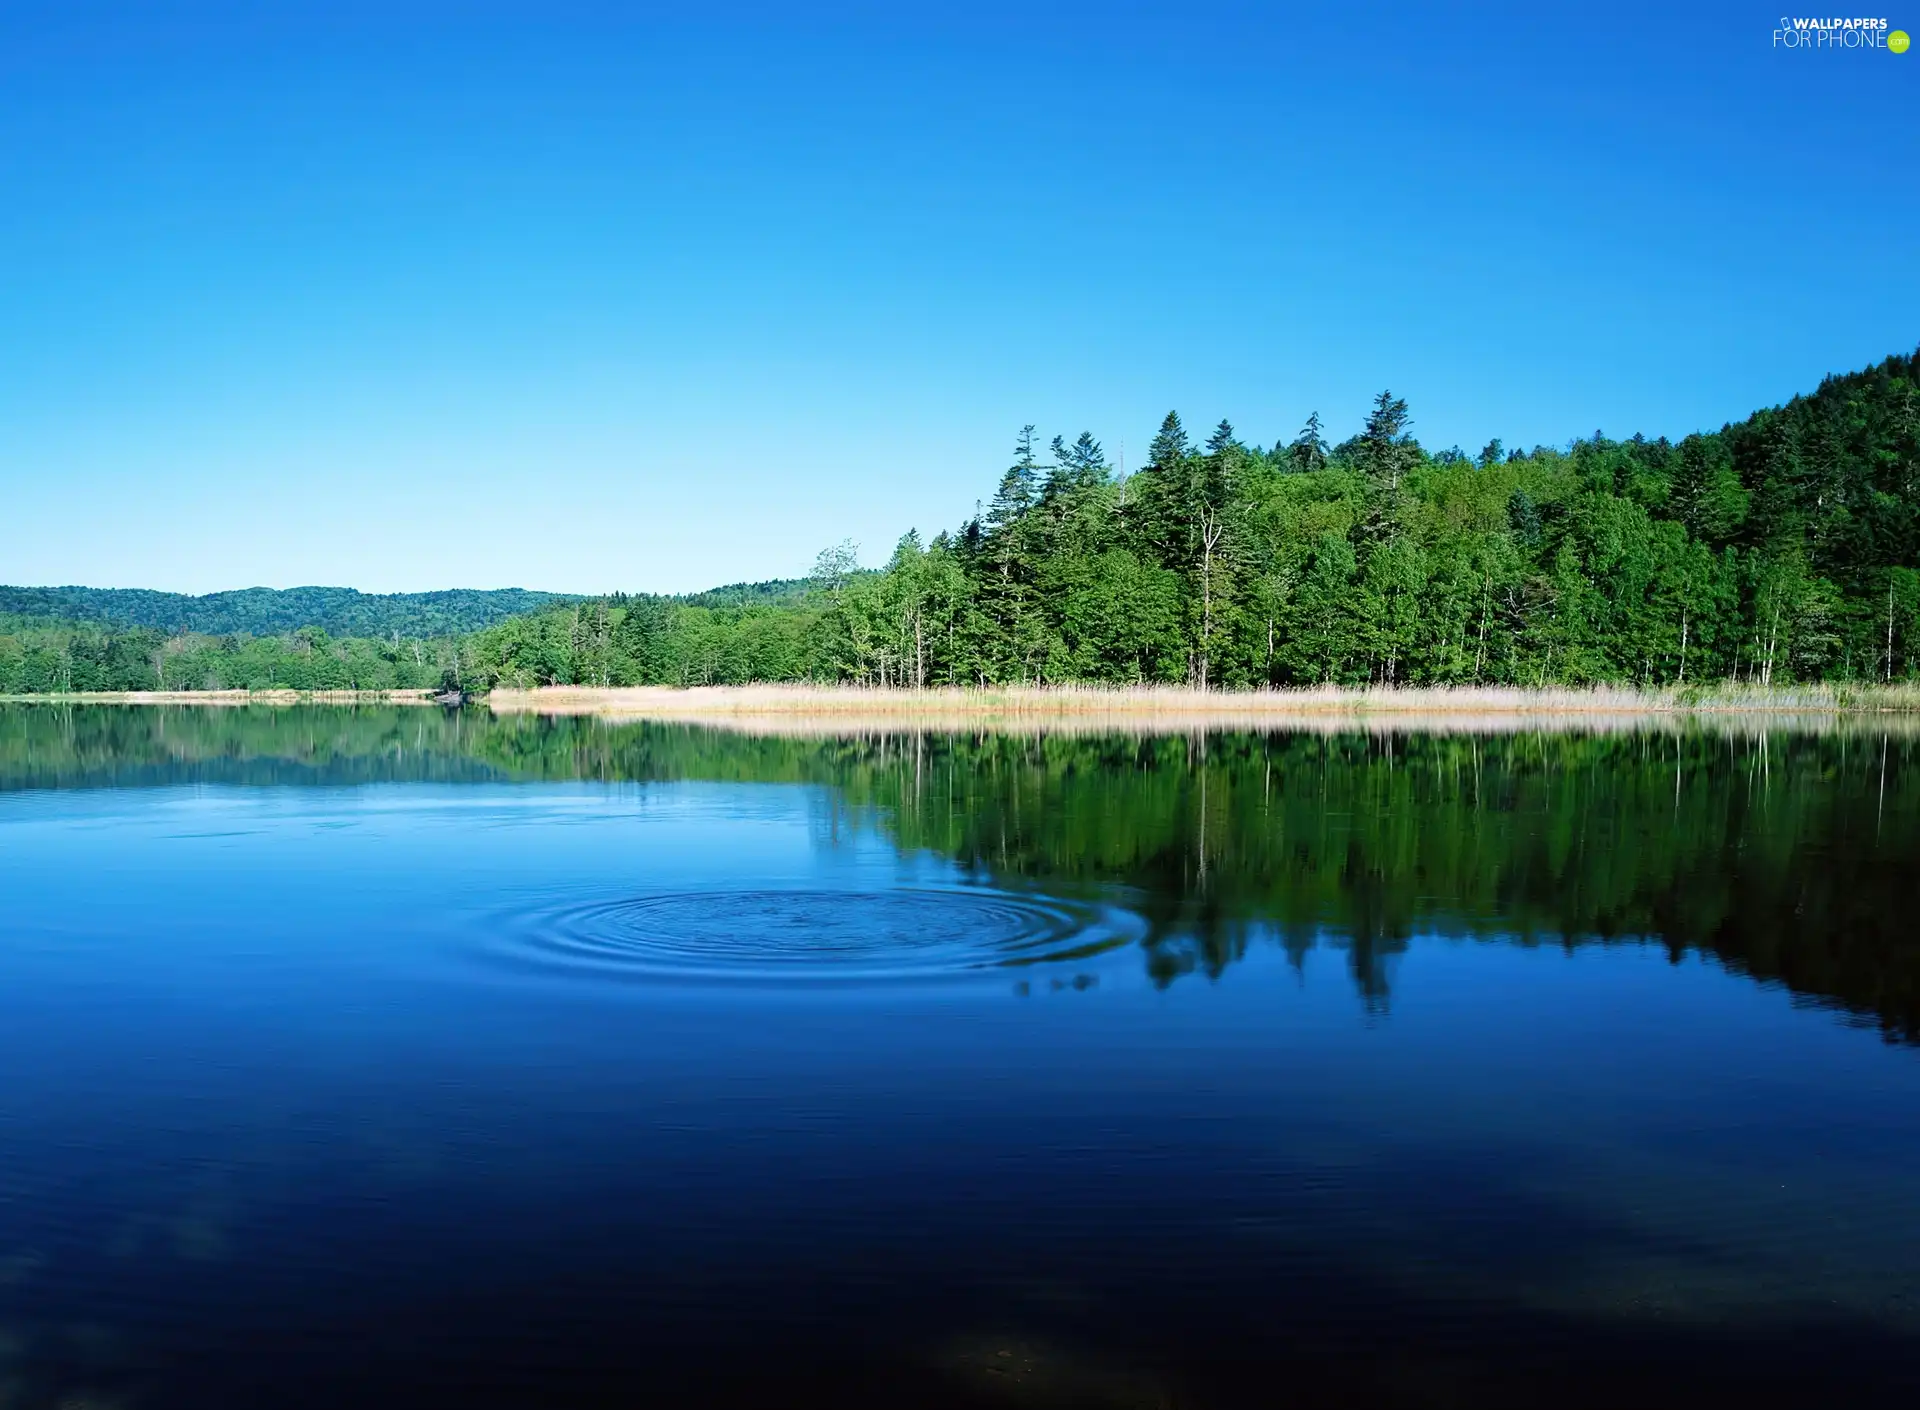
<point>802,935</point>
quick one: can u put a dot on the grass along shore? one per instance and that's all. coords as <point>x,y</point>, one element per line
<point>828,709</point>
<point>783,707</point>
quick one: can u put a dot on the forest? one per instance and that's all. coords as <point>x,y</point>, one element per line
<point>341,612</point>
<point>1785,547</point>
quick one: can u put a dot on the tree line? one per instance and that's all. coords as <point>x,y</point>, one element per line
<point>1785,547</point>
<point>341,612</point>
<point>42,658</point>
<point>1782,548</point>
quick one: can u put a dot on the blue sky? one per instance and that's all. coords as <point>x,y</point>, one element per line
<point>592,297</point>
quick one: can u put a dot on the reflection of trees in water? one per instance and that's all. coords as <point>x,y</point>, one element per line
<point>1786,857</point>
<point>1778,856</point>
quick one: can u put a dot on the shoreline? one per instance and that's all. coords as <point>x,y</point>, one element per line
<point>831,710</point>
<point>706,702</point>
<point>227,697</point>
<point>857,710</point>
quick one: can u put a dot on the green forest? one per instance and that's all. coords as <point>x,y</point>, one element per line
<point>1783,548</point>
<point>341,612</point>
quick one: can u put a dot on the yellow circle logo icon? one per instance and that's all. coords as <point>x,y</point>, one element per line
<point>1898,41</point>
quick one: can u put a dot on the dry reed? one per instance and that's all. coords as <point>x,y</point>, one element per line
<point>803,709</point>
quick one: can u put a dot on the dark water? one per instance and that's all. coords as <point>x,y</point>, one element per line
<point>387,1057</point>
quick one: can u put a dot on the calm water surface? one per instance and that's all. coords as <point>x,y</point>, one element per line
<point>387,1057</point>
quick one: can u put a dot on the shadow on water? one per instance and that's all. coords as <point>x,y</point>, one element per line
<point>1058,1325</point>
<point>1786,857</point>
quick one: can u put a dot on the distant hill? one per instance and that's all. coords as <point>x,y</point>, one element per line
<point>267,611</point>
<point>340,612</point>
<point>774,590</point>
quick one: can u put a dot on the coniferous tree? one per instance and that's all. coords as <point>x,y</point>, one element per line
<point>1384,450</point>
<point>1007,649</point>
<point>1085,460</point>
<point>1222,442</point>
<point>1385,453</point>
<point>1018,487</point>
<point>1706,494</point>
<point>1308,452</point>
<point>1169,448</point>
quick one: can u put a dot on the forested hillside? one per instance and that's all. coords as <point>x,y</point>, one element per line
<point>265,611</point>
<point>1785,547</point>
<point>43,657</point>
<point>769,593</point>
<point>42,654</point>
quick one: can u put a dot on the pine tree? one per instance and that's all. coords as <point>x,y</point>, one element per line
<point>1005,587</point>
<point>1309,449</point>
<point>1385,449</point>
<point>1769,464</point>
<point>1169,448</point>
<point>1088,458</point>
<point>1385,452</point>
<point>1705,494</point>
<point>1018,487</point>
<point>1523,518</point>
<point>1080,466</point>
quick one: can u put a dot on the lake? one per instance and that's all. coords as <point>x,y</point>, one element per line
<point>388,1056</point>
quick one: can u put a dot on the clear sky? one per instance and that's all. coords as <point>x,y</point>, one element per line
<point>576,297</point>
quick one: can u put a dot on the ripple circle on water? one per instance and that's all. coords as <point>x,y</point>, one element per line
<point>814,934</point>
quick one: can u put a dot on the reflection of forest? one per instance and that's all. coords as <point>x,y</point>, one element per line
<point>1787,857</point>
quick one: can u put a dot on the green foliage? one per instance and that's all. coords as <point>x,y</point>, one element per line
<point>1785,548</point>
<point>1780,549</point>
<point>41,657</point>
<point>1308,450</point>
<point>270,612</point>
<point>769,593</point>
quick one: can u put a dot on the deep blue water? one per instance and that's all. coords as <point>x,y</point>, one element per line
<point>535,1090</point>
